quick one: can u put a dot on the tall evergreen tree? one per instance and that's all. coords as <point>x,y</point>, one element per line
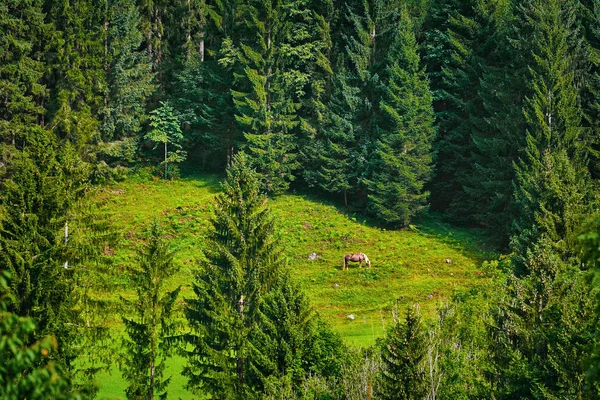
<point>266,111</point>
<point>540,333</point>
<point>42,183</point>
<point>77,73</point>
<point>244,259</point>
<point>21,70</point>
<point>332,159</point>
<point>203,88</point>
<point>553,187</point>
<point>403,124</point>
<point>403,353</point>
<point>151,321</point>
<point>25,371</point>
<point>129,80</point>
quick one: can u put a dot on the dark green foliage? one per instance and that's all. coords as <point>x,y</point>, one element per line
<point>42,183</point>
<point>333,162</point>
<point>294,342</point>
<point>150,320</point>
<point>26,371</point>
<point>265,107</point>
<point>129,80</point>
<point>77,73</point>
<point>244,261</point>
<point>21,71</point>
<point>404,130</point>
<point>553,188</point>
<point>540,336</point>
<point>404,351</point>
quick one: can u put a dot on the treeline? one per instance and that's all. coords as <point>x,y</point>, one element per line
<point>488,111</point>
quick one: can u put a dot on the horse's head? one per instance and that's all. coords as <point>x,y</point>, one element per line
<point>367,260</point>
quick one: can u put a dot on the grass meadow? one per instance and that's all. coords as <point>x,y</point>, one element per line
<point>407,266</point>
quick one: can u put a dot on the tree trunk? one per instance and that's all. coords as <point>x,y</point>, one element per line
<point>165,160</point>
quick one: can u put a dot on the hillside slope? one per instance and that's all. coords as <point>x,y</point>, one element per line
<point>408,266</point>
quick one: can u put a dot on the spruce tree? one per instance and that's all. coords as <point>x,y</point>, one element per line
<point>150,320</point>
<point>129,80</point>
<point>26,372</point>
<point>43,182</point>
<point>333,161</point>
<point>244,259</point>
<point>202,91</point>
<point>496,121</point>
<point>553,187</point>
<point>265,108</point>
<point>540,331</point>
<point>403,125</point>
<point>76,65</point>
<point>21,70</point>
<point>403,354</point>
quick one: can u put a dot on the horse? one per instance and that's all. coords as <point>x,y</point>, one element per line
<point>359,258</point>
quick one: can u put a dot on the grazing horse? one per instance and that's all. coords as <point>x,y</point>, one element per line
<point>359,258</point>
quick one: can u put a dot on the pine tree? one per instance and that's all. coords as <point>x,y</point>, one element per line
<point>202,92</point>
<point>76,67</point>
<point>129,80</point>
<point>167,130</point>
<point>332,159</point>
<point>404,128</point>
<point>287,338</point>
<point>403,354</point>
<point>553,188</point>
<point>540,331</point>
<point>151,322</point>
<point>25,370</point>
<point>21,71</point>
<point>42,183</point>
<point>496,121</point>
<point>244,259</point>
<point>266,111</point>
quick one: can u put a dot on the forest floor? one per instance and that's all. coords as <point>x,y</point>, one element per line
<point>407,266</point>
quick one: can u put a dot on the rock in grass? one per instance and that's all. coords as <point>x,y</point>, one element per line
<point>351,317</point>
<point>312,256</point>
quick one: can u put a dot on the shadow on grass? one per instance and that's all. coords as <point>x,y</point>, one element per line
<point>433,224</point>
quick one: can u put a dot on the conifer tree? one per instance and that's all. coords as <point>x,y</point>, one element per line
<point>333,161</point>
<point>77,73</point>
<point>151,320</point>
<point>403,355</point>
<point>404,130</point>
<point>496,121</point>
<point>202,91</point>
<point>266,111</point>
<point>244,260</point>
<point>129,80</point>
<point>540,331</point>
<point>42,183</point>
<point>287,339</point>
<point>553,187</point>
<point>21,70</point>
<point>25,369</point>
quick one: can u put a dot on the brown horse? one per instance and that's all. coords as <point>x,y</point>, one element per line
<point>359,258</point>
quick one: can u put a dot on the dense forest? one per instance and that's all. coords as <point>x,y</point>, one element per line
<point>485,113</point>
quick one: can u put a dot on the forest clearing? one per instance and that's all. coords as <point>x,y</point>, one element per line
<point>408,266</point>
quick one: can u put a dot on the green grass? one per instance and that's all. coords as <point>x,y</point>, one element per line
<point>408,266</point>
